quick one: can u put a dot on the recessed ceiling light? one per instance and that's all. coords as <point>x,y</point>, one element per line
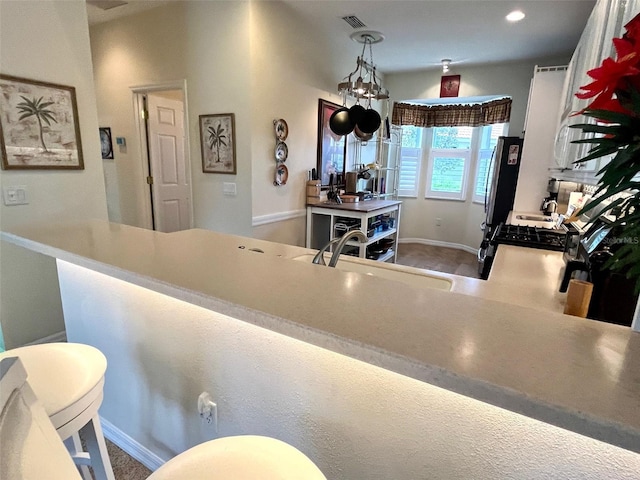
<point>515,16</point>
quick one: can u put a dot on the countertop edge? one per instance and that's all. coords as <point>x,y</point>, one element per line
<point>605,430</point>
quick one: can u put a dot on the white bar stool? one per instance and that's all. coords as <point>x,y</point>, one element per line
<point>31,450</point>
<point>68,379</point>
<point>244,457</point>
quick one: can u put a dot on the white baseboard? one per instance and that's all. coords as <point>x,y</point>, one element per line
<point>439,243</point>
<point>56,337</point>
<point>130,446</point>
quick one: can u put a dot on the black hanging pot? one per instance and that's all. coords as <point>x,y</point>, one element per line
<point>356,113</point>
<point>370,121</point>
<point>340,123</point>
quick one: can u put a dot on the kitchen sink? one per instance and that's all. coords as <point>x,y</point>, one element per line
<point>407,275</point>
<point>535,218</point>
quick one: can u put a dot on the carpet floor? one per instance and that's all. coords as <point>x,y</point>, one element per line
<point>440,259</point>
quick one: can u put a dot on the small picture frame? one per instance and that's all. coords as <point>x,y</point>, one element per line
<point>218,143</point>
<point>106,145</point>
<point>39,126</point>
<point>449,86</point>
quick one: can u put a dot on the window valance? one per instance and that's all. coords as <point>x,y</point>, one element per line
<point>474,115</point>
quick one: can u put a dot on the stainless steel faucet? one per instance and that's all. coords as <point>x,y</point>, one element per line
<point>319,258</point>
<point>340,242</point>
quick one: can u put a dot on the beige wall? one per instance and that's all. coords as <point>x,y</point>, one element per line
<point>129,53</point>
<point>204,45</point>
<point>461,220</point>
<point>293,66</point>
<point>257,60</point>
<point>46,41</point>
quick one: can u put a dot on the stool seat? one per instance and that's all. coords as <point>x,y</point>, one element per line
<point>68,380</point>
<point>243,457</point>
<point>66,377</point>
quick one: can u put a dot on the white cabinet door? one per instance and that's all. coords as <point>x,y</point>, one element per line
<point>605,23</point>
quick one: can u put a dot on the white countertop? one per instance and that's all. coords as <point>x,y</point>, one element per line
<point>574,373</point>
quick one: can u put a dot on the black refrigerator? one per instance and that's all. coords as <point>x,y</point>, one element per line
<point>501,191</point>
<point>499,195</point>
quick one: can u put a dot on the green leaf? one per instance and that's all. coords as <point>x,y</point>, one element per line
<point>614,117</point>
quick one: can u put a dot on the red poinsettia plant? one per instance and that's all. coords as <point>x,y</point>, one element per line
<point>615,91</point>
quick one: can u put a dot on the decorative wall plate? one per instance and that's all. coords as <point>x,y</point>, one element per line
<point>282,151</point>
<point>282,175</point>
<point>281,128</point>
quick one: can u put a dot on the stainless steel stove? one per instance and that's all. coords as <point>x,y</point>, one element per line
<point>532,237</point>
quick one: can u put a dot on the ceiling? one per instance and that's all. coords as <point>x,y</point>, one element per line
<point>420,33</point>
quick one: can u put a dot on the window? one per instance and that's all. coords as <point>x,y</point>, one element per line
<point>410,160</point>
<point>458,161</point>
<point>449,160</point>
<point>488,140</point>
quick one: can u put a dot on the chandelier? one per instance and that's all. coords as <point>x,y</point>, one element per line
<point>362,82</point>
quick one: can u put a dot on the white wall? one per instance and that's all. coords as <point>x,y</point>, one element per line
<point>259,60</point>
<point>47,41</point>
<point>293,66</point>
<point>206,44</point>
<point>139,50</point>
<point>354,420</point>
<point>219,74</point>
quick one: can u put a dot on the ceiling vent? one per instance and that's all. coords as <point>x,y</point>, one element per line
<point>106,4</point>
<point>354,21</point>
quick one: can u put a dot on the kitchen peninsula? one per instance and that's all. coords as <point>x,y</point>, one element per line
<point>152,303</point>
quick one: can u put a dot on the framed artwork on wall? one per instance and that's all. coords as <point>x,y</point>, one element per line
<point>39,126</point>
<point>218,143</point>
<point>331,147</point>
<point>106,145</point>
<point>449,86</point>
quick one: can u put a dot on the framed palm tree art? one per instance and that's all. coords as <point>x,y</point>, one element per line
<point>39,126</point>
<point>218,143</point>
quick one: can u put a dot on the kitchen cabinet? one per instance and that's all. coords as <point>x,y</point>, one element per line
<point>538,146</point>
<point>606,22</point>
<point>379,219</point>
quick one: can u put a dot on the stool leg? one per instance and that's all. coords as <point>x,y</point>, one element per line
<point>100,463</point>
<point>74,446</point>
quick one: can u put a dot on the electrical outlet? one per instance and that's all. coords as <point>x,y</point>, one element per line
<point>438,222</point>
<point>208,410</point>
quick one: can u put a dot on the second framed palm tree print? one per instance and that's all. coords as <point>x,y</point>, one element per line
<point>218,143</point>
<point>39,126</point>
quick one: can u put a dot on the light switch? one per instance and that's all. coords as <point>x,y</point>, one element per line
<point>15,195</point>
<point>229,188</point>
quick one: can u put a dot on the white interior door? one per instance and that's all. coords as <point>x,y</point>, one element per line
<point>170,171</point>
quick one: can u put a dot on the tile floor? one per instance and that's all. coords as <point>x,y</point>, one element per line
<point>440,259</point>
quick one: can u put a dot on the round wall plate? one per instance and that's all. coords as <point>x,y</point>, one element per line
<point>281,128</point>
<point>282,151</point>
<point>282,175</point>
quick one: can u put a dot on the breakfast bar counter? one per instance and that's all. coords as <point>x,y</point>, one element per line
<point>579,375</point>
